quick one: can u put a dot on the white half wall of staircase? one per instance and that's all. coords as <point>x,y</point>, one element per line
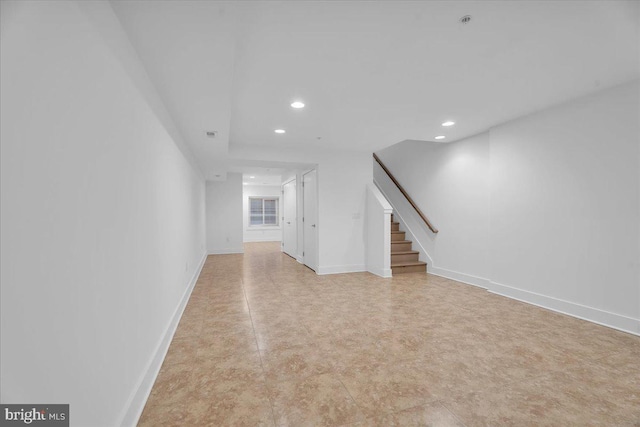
<point>545,208</point>
<point>378,233</point>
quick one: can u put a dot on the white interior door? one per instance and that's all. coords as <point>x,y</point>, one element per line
<point>289,220</point>
<point>310,219</point>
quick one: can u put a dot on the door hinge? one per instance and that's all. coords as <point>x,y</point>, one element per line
<point>302,219</point>
<point>302,253</point>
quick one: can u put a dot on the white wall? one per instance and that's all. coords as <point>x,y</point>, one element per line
<point>102,220</point>
<point>265,233</point>
<point>224,215</point>
<point>545,208</point>
<point>565,207</point>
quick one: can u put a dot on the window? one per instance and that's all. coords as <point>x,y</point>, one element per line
<point>263,211</point>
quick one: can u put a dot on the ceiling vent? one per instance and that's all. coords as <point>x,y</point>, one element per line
<point>465,19</point>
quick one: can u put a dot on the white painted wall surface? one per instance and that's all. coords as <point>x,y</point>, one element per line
<point>565,207</point>
<point>224,215</point>
<point>378,233</point>
<point>102,219</point>
<point>545,208</point>
<point>264,233</point>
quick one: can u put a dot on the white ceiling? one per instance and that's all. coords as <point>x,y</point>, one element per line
<point>371,73</point>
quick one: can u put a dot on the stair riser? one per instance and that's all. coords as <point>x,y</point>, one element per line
<point>395,247</point>
<point>404,258</point>
<point>395,226</point>
<point>409,269</point>
<point>397,236</point>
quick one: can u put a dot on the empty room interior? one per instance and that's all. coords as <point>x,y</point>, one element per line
<point>320,213</point>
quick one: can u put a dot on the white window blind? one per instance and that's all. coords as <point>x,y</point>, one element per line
<point>263,211</point>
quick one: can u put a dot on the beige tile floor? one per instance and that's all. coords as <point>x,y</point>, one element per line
<point>265,341</point>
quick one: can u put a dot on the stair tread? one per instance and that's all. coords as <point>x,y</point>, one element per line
<point>400,241</point>
<point>408,263</point>
<point>397,231</point>
<point>405,252</point>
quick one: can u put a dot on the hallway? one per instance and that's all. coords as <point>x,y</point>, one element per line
<point>266,341</point>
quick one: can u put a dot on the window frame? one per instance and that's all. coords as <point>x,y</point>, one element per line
<point>275,199</point>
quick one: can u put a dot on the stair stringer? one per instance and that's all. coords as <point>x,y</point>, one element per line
<point>424,255</point>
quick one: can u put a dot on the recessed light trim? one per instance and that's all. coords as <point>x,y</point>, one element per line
<point>448,123</point>
<point>280,131</point>
<point>252,177</point>
<point>440,137</point>
<point>297,104</point>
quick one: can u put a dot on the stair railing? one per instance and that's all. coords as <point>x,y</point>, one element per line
<point>404,193</point>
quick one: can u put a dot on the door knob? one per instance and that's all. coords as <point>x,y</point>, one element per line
<point>313,225</point>
<point>288,222</point>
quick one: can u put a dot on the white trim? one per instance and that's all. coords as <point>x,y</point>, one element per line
<point>139,397</point>
<point>226,251</point>
<point>336,269</point>
<point>591,314</point>
<point>382,272</point>
<point>263,228</point>
<point>300,259</point>
<point>262,239</point>
<point>288,181</point>
<point>467,279</point>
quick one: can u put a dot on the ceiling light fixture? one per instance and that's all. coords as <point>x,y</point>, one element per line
<point>252,177</point>
<point>280,131</point>
<point>297,104</point>
<point>448,123</point>
<point>440,137</point>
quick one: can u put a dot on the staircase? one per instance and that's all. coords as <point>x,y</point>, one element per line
<point>403,258</point>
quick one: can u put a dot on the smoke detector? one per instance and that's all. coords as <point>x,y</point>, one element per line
<point>465,19</point>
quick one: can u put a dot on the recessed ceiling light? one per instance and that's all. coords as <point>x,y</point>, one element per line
<point>448,123</point>
<point>440,137</point>
<point>297,104</point>
<point>252,177</point>
<point>245,183</point>
<point>280,131</point>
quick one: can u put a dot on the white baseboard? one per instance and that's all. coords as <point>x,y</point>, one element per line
<point>300,259</point>
<point>226,251</point>
<point>591,314</point>
<point>382,272</point>
<point>141,394</point>
<point>461,277</point>
<point>336,269</point>
<point>260,239</point>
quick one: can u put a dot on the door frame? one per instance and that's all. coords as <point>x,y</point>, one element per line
<point>317,227</point>
<point>294,179</point>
